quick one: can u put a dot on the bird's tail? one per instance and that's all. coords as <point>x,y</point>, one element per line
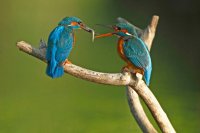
<point>147,76</point>
<point>54,69</point>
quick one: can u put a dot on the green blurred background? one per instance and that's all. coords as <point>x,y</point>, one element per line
<point>31,102</point>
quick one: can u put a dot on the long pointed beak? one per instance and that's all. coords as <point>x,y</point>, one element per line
<point>105,35</point>
<point>84,27</point>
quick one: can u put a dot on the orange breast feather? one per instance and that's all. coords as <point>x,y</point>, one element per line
<point>121,50</point>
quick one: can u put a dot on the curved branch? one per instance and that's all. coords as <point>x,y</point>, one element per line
<point>112,79</point>
<point>79,72</point>
<point>154,106</point>
<point>98,77</point>
<point>138,112</point>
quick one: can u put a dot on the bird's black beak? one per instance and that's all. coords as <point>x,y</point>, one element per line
<point>86,28</point>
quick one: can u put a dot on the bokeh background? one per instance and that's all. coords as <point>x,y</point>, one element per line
<point>31,102</point>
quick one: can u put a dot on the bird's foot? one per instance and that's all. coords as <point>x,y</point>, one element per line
<point>127,69</point>
<point>124,69</point>
<point>67,62</point>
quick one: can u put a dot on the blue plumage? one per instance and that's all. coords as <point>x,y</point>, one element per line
<point>136,50</point>
<point>60,44</point>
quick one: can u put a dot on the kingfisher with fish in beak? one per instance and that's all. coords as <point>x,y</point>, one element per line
<point>60,44</point>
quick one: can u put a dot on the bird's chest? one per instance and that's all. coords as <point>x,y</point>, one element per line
<point>120,48</point>
<point>66,41</point>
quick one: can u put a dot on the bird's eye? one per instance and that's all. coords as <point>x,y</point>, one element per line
<point>118,28</point>
<point>79,22</point>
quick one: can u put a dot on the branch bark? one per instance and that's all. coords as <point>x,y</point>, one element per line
<point>138,111</point>
<point>149,33</point>
<point>114,79</point>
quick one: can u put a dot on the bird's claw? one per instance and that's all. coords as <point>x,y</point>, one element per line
<point>136,75</point>
<point>127,69</point>
<point>67,62</point>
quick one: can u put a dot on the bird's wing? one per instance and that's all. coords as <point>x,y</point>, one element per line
<point>53,41</point>
<point>64,45</point>
<point>136,51</point>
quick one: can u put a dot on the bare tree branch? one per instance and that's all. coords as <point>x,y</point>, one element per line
<point>138,111</point>
<point>149,32</point>
<point>126,78</point>
<point>154,106</point>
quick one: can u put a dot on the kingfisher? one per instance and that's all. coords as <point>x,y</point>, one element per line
<point>60,44</point>
<point>132,49</point>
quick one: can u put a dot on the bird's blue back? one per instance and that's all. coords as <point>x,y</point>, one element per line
<point>136,51</point>
<point>60,42</point>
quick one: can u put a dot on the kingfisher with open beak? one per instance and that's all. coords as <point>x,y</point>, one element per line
<point>60,44</point>
<point>132,49</point>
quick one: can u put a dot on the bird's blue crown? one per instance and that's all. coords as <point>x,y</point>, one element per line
<point>126,26</point>
<point>68,20</point>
